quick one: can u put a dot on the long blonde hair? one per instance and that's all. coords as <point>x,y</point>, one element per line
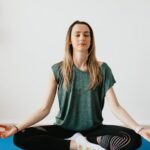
<point>93,66</point>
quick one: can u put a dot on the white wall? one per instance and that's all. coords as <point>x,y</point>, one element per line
<point>32,37</point>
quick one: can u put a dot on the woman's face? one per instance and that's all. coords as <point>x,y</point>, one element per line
<point>80,37</point>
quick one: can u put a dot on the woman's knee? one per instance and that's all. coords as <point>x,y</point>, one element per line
<point>128,140</point>
<point>18,139</point>
<point>135,140</point>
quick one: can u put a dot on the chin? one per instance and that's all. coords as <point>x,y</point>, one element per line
<point>82,50</point>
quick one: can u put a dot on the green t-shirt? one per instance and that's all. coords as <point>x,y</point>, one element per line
<point>81,108</point>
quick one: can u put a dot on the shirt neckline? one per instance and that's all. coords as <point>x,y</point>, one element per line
<point>82,70</point>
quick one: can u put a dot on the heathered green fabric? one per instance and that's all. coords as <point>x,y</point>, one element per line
<point>80,108</point>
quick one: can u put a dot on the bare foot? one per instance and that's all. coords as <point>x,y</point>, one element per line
<point>73,145</point>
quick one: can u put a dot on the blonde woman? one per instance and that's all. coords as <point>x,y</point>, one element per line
<point>82,83</point>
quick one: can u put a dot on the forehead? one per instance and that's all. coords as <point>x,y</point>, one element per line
<point>80,28</point>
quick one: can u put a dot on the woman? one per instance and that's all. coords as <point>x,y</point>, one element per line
<point>83,82</point>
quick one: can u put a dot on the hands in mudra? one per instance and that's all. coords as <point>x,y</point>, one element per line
<point>7,130</point>
<point>145,133</point>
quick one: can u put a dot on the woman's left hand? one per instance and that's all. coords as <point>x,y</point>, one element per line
<point>145,133</point>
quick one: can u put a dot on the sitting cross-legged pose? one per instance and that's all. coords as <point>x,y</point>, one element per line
<point>82,83</point>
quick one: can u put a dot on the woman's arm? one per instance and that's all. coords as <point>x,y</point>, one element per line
<point>119,111</point>
<point>44,110</point>
<point>41,113</point>
<point>123,116</point>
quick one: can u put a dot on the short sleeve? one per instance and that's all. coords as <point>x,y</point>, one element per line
<point>56,71</point>
<point>109,79</point>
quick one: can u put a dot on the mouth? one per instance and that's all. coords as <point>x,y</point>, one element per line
<point>82,44</point>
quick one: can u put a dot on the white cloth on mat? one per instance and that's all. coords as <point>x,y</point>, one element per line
<point>83,143</point>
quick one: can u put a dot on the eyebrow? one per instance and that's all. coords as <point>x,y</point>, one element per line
<point>80,31</point>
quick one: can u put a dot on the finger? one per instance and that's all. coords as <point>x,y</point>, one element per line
<point>2,136</point>
<point>2,125</point>
<point>5,126</point>
<point>147,138</point>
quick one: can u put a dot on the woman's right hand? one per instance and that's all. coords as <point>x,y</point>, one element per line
<point>8,130</point>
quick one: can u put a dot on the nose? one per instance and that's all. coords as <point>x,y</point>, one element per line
<point>82,37</point>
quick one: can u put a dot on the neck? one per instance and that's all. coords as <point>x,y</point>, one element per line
<point>79,59</point>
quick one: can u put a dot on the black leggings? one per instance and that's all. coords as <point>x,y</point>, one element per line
<point>51,137</point>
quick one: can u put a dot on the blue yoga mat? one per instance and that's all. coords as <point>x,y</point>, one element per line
<point>7,144</point>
